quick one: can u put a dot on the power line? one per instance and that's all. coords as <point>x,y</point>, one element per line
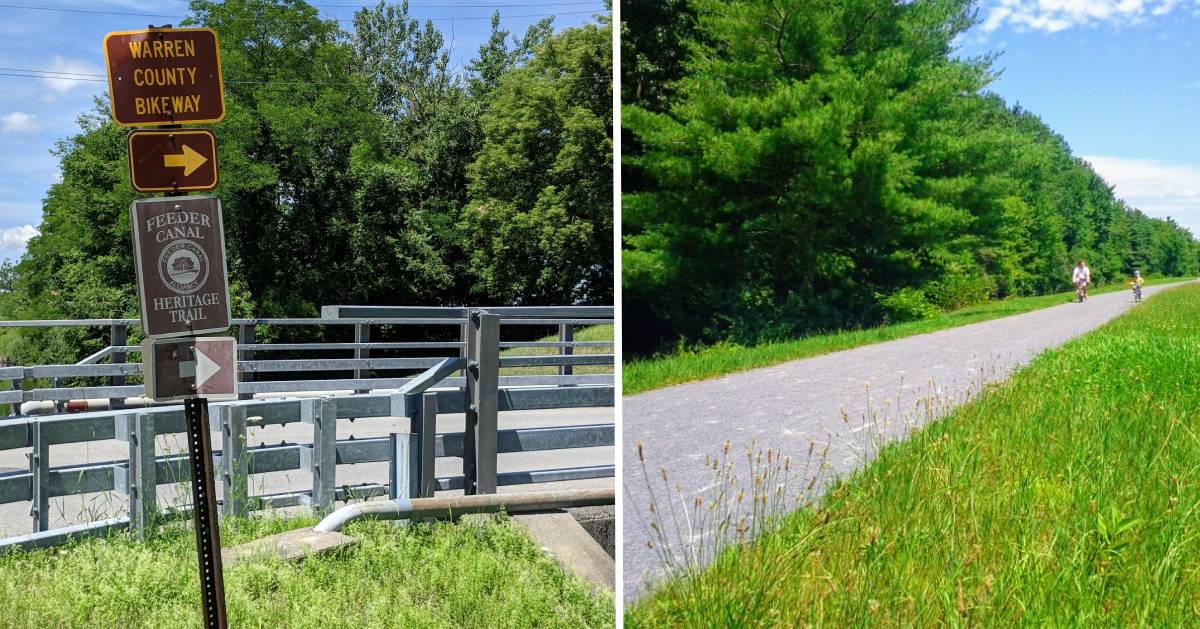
<point>62,78</point>
<point>30,73</point>
<point>347,20</point>
<point>51,72</point>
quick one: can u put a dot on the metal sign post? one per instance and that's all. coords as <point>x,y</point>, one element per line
<point>204,513</point>
<point>165,77</point>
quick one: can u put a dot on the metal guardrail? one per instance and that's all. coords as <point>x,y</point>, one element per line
<point>255,374</point>
<point>480,393</point>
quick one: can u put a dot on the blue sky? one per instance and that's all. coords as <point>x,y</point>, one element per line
<point>1119,79</point>
<point>36,112</point>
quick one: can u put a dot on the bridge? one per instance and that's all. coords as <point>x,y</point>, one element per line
<point>474,411</point>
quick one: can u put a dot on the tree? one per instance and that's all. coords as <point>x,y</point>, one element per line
<point>539,219</point>
<point>832,165</point>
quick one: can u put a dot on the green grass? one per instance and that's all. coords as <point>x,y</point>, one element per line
<point>689,365</point>
<point>480,574</point>
<point>1067,497</point>
<point>590,333</point>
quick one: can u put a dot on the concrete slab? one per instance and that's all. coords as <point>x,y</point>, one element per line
<point>562,537</point>
<point>290,546</point>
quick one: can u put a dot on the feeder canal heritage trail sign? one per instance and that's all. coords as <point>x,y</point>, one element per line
<point>165,76</point>
<point>179,251</point>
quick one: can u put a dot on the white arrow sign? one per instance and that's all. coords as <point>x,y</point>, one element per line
<point>216,367</point>
<point>181,368</point>
<point>205,367</point>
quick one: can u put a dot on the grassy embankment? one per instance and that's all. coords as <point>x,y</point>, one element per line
<point>1069,496</point>
<point>718,360</point>
<point>477,574</point>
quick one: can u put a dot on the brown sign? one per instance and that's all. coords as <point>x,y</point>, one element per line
<point>164,76</point>
<point>179,251</point>
<point>172,161</point>
<point>205,367</point>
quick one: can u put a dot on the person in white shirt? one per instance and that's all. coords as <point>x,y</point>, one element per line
<point>1081,278</point>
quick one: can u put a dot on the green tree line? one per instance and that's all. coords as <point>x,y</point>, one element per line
<point>357,166</point>
<point>792,166</point>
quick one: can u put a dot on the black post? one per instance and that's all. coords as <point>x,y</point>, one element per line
<point>204,513</point>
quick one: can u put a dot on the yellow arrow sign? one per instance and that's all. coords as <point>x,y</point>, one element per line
<point>188,160</point>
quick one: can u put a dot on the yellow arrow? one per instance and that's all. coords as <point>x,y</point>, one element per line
<point>189,160</point>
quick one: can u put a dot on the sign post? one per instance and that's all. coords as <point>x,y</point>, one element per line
<point>204,506</point>
<point>165,77</point>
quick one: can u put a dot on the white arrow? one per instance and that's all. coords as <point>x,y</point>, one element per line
<point>205,368</point>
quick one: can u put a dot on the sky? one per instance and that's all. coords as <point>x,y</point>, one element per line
<point>37,112</point>
<point>1118,79</point>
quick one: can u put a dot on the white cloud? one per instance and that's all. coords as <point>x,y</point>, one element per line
<point>1052,16</point>
<point>19,122</point>
<point>14,239</point>
<point>72,67</point>
<point>1158,188</point>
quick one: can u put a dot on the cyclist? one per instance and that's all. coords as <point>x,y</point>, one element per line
<point>1081,278</point>
<point>1136,283</point>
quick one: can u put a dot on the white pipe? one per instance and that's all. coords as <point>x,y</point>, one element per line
<point>404,508</point>
<point>38,407</point>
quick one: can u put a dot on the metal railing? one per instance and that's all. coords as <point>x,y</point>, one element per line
<point>480,393</point>
<point>256,375</point>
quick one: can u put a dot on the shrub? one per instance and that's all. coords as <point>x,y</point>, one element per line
<point>906,304</point>
<point>958,289</point>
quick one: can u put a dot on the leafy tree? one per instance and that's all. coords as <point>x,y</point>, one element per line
<point>540,219</point>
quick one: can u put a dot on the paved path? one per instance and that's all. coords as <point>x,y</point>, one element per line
<point>792,405</point>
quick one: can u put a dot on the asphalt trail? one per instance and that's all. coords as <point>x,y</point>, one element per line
<point>850,400</point>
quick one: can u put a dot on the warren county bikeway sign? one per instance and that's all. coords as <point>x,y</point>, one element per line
<point>164,76</point>
<point>179,252</point>
<point>172,160</point>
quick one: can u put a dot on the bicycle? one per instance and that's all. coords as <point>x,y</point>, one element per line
<point>1081,291</point>
<point>1137,293</point>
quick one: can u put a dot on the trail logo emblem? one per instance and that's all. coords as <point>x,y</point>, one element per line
<point>183,267</point>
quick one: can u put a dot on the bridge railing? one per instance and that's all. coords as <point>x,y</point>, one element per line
<point>480,393</point>
<point>261,375</point>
